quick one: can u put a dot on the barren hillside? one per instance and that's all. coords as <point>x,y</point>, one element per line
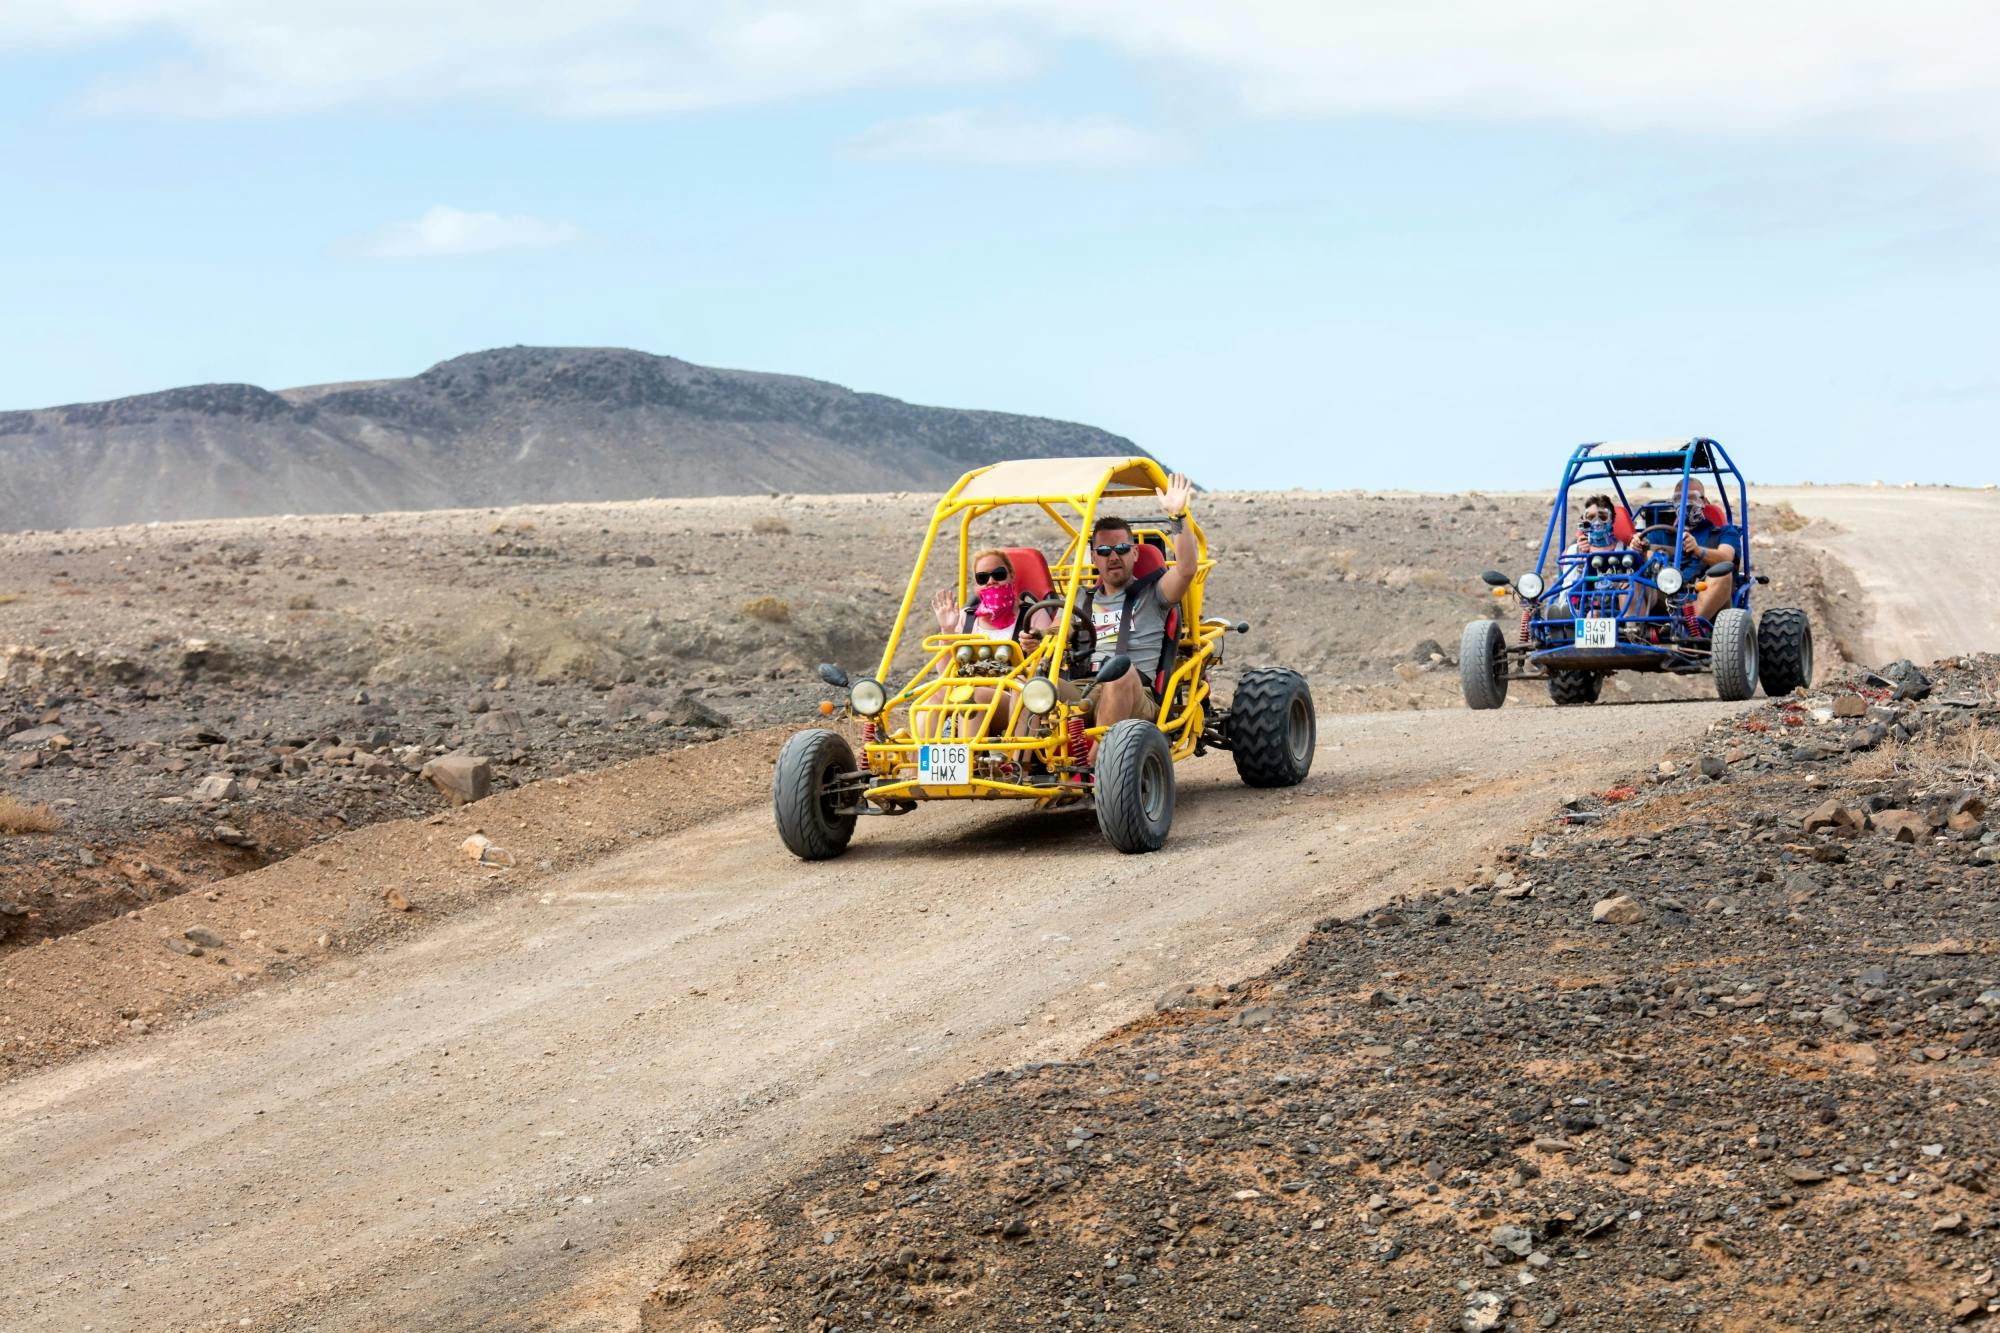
<point>508,426</point>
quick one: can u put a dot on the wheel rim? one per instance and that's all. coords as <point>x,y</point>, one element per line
<point>1805,657</point>
<point>1750,656</point>
<point>1497,652</point>
<point>1153,789</point>
<point>1298,731</point>
<point>827,815</point>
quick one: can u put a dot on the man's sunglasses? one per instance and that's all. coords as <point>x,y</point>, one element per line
<point>986,576</point>
<point>1120,549</point>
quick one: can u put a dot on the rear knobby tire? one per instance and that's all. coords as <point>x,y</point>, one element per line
<point>1733,649</point>
<point>808,765</point>
<point>1575,687</point>
<point>1784,650</point>
<point>1482,664</point>
<point>1272,728</point>
<point>1135,786</point>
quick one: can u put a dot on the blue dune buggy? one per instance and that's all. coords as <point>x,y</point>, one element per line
<point>1587,613</point>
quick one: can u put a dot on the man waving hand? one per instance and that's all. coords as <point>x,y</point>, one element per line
<point>1130,614</point>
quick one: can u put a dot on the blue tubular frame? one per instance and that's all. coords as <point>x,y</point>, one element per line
<point>1617,592</point>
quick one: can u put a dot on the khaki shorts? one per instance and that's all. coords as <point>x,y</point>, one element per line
<point>1073,692</point>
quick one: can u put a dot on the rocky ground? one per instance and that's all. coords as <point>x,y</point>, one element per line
<point>182,702</point>
<point>1711,1050</point>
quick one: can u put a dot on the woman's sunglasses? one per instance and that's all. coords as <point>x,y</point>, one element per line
<point>1120,549</point>
<point>986,576</point>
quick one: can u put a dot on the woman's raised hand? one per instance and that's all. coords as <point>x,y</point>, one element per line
<point>947,609</point>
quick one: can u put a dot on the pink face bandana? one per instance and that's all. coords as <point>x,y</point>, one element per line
<point>996,600</point>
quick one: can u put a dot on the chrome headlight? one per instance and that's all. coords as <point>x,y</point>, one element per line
<point>1003,652</point>
<point>984,652</point>
<point>867,697</point>
<point>964,654</point>
<point>1669,579</point>
<point>1038,696</point>
<point>1530,586</point>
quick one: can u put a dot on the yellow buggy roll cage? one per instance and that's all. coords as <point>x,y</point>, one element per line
<point>1009,757</point>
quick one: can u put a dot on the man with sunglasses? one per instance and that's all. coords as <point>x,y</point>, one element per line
<point>1129,613</point>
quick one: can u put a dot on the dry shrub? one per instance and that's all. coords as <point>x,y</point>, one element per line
<point>18,817</point>
<point>769,525</point>
<point>1787,518</point>
<point>1966,756</point>
<point>770,610</point>
<point>301,601</point>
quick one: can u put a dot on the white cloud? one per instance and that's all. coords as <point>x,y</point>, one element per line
<point>1003,139</point>
<point>445,232</point>
<point>1917,71</point>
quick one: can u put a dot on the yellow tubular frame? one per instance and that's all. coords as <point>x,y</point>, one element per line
<point>1000,761</point>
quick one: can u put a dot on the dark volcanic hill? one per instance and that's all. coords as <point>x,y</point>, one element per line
<point>514,425</point>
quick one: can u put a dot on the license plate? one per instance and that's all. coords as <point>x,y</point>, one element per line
<point>1597,632</point>
<point>944,765</point>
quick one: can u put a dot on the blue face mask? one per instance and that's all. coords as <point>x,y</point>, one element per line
<point>1597,534</point>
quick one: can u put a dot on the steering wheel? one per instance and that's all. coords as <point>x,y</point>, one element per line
<point>1082,633</point>
<point>1660,537</point>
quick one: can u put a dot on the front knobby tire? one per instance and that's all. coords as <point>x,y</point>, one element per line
<point>1482,664</point>
<point>1733,651</point>
<point>809,766</point>
<point>1784,650</point>
<point>1135,786</point>
<point>1272,728</point>
<point>1575,687</point>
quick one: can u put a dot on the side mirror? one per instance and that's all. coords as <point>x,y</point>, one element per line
<point>1241,627</point>
<point>833,675</point>
<point>1114,668</point>
<point>1494,578</point>
<point>1727,567</point>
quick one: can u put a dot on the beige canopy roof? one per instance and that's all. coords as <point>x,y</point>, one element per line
<point>1058,478</point>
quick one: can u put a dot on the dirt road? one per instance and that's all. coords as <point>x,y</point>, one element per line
<point>493,1124</point>
<point>1921,557</point>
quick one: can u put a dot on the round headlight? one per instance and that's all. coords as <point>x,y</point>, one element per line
<point>867,697</point>
<point>1530,586</point>
<point>1038,696</point>
<point>1669,580</point>
<point>985,652</point>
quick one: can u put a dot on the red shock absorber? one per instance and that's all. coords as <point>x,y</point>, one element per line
<point>1527,616</point>
<point>868,731</point>
<point>1077,740</point>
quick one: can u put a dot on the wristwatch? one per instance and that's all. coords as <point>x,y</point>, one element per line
<point>1177,521</point>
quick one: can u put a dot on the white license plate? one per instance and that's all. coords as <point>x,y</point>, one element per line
<point>944,765</point>
<point>1597,632</point>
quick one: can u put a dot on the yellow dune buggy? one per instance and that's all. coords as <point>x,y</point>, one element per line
<point>982,719</point>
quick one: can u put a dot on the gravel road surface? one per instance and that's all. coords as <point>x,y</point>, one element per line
<point>492,1124</point>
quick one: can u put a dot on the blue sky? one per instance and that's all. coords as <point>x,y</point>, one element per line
<point>1309,245</point>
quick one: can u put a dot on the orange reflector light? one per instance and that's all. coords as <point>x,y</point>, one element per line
<point>826,708</point>
<point>1499,592</point>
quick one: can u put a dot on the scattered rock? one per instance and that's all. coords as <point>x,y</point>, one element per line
<point>461,777</point>
<point>1618,910</point>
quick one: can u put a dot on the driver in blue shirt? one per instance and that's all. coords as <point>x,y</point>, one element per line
<point>1708,540</point>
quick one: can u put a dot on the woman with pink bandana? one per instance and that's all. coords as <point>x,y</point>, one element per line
<point>995,614</point>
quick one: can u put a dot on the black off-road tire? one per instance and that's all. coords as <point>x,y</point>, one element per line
<point>1135,786</point>
<point>1733,652</point>
<point>806,818</point>
<point>1575,687</point>
<point>1784,650</point>
<point>1272,728</point>
<point>1482,664</point>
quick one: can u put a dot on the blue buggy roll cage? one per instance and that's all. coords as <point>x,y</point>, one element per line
<point>1619,585</point>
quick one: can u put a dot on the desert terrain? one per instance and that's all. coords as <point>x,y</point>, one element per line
<point>332,1073</point>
